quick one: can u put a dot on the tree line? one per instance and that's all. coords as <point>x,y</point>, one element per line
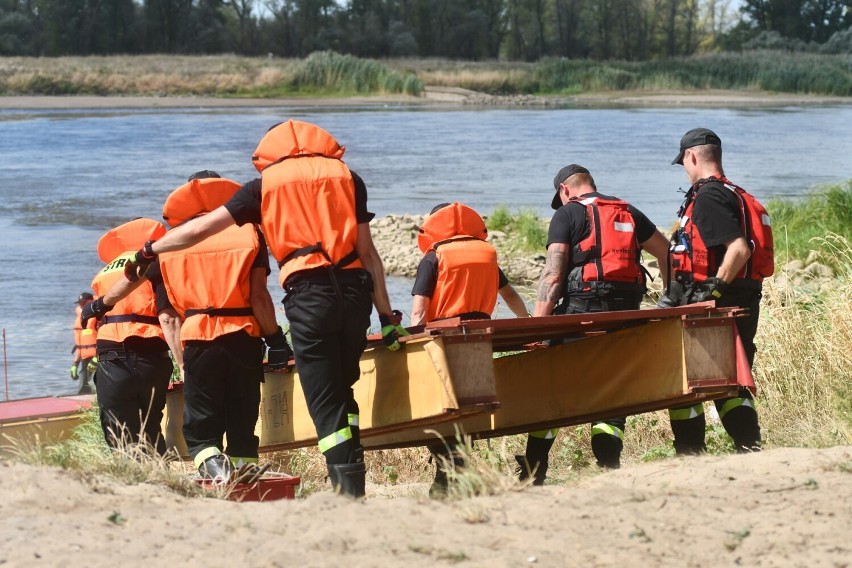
<point>517,30</point>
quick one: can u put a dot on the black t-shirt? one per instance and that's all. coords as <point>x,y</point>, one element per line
<point>244,206</point>
<point>570,225</point>
<point>427,276</point>
<point>716,214</point>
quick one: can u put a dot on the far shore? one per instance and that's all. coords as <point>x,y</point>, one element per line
<point>433,96</point>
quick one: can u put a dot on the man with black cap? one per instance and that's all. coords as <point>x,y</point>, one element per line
<point>593,264</point>
<point>85,346</point>
<point>721,250</point>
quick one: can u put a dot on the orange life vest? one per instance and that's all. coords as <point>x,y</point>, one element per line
<point>135,315</point>
<point>693,261</point>
<point>610,254</point>
<point>209,284</point>
<point>212,304</point>
<point>307,199</point>
<point>86,339</point>
<point>468,276</point>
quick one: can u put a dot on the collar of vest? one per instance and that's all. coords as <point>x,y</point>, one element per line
<point>130,236</point>
<point>197,197</point>
<point>294,139</point>
<point>454,220</point>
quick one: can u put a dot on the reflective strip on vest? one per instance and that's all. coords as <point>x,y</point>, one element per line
<point>335,439</point>
<point>545,434</point>
<point>686,413</point>
<point>354,419</point>
<point>734,403</point>
<point>204,455</point>
<point>603,428</point>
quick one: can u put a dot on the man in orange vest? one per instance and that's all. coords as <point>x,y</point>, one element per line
<point>225,322</point>
<point>85,348</point>
<point>594,246</point>
<point>134,368</point>
<point>313,212</point>
<point>722,250</point>
<point>458,276</point>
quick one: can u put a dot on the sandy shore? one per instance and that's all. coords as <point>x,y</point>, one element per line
<point>782,507</point>
<point>441,96</point>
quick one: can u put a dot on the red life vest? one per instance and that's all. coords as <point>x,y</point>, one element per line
<point>610,254</point>
<point>467,266</point>
<point>693,261</point>
<point>135,315</point>
<point>307,199</point>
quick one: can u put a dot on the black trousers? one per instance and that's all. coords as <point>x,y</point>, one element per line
<point>329,317</point>
<point>737,413</point>
<point>131,392</point>
<point>222,394</point>
<point>607,435</point>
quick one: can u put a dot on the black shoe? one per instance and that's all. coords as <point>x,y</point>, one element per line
<point>524,472</point>
<point>217,468</point>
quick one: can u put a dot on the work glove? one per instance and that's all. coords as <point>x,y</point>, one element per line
<point>136,268</point>
<point>392,329</point>
<point>666,302</point>
<point>710,289</point>
<point>74,371</point>
<point>278,352</point>
<point>95,309</point>
<point>93,364</point>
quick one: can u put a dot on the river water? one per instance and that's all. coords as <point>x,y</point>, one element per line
<point>66,176</point>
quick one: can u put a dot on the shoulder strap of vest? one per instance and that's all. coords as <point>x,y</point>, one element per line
<point>219,312</point>
<point>130,318</point>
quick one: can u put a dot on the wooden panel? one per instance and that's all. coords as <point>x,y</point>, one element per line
<point>709,350</point>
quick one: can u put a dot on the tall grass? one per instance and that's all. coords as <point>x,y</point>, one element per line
<point>766,71</point>
<point>329,73</point>
<point>796,223</point>
<point>323,73</point>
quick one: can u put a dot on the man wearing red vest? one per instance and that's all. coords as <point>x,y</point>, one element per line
<point>458,276</point>
<point>721,250</point>
<point>313,212</point>
<point>594,245</point>
<point>85,348</point>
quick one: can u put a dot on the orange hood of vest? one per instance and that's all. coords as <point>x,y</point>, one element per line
<point>448,222</point>
<point>294,138</point>
<point>129,237</point>
<point>197,197</point>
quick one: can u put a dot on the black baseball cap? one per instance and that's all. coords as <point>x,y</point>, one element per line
<point>696,137</point>
<point>84,297</point>
<point>204,174</point>
<point>564,174</point>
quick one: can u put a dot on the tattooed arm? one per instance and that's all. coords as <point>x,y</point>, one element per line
<point>552,279</point>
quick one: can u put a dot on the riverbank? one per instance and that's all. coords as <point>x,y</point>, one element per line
<point>432,95</point>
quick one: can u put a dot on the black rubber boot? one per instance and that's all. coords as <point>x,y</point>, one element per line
<point>741,424</point>
<point>218,468</point>
<point>535,459</point>
<point>607,450</point>
<point>348,479</point>
<point>442,456</point>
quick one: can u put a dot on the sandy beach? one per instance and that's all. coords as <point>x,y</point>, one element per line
<point>782,507</point>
